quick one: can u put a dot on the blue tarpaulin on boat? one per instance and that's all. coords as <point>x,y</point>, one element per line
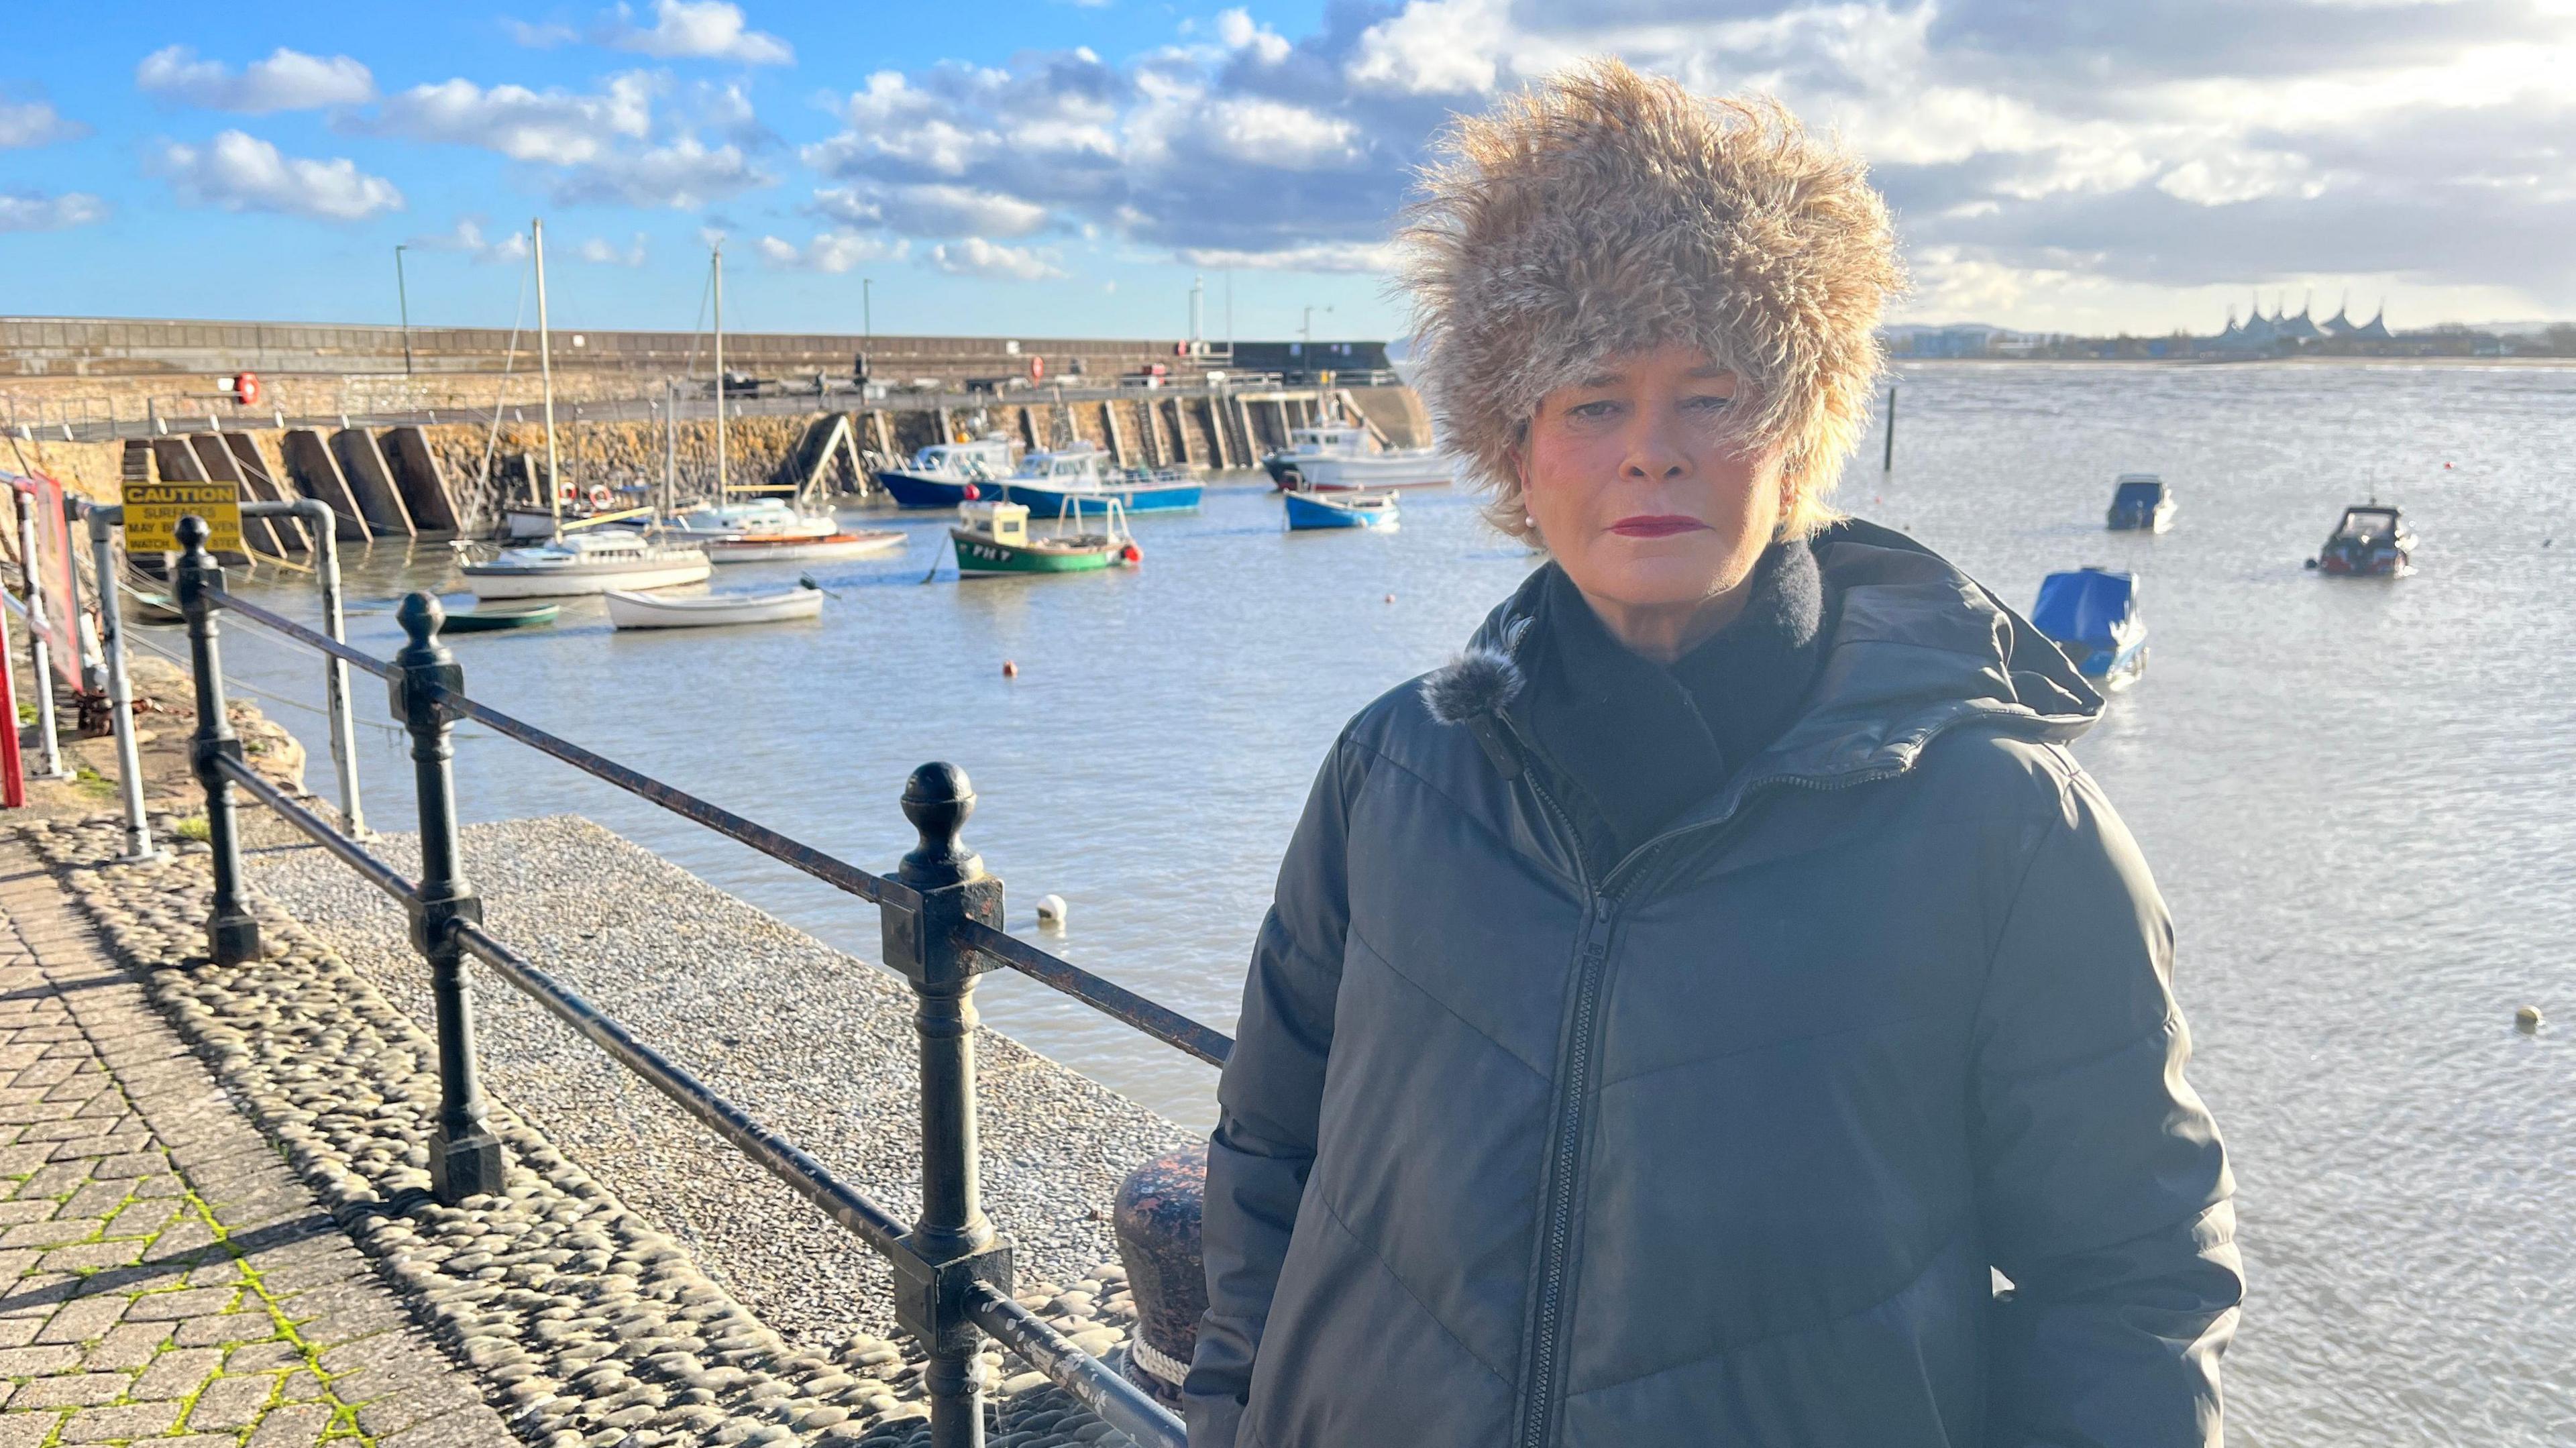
<point>2081,607</point>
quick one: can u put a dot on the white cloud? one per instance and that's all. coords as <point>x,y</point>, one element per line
<point>238,172</point>
<point>1238,30</point>
<point>468,238</point>
<point>976,257</point>
<point>1270,133</point>
<point>35,123</point>
<point>535,36</point>
<point>1433,47</point>
<point>932,209</point>
<point>30,211</point>
<point>697,30</point>
<point>1322,257</point>
<point>831,251</point>
<point>289,80</point>
<point>683,175</point>
<point>2242,176</point>
<point>600,251</point>
<point>552,127</point>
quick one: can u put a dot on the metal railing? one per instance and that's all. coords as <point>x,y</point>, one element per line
<point>939,914</point>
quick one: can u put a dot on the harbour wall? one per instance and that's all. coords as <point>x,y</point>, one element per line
<point>485,456</point>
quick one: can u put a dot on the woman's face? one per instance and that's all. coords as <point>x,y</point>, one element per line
<point>1647,497</point>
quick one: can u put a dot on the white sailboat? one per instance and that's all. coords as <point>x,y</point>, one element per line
<point>754,514</point>
<point>582,562</point>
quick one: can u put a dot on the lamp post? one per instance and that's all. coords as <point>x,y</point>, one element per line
<point>867,307</point>
<point>402,295</point>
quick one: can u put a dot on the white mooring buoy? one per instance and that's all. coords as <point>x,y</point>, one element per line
<point>1051,911</point>
<point>2528,1018</point>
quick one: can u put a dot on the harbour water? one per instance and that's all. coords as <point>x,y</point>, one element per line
<point>2356,795</point>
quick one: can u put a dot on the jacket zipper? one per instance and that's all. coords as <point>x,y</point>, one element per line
<point>1592,963</point>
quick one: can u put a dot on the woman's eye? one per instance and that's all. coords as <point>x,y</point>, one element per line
<point>1594,410</point>
<point>1710,404</point>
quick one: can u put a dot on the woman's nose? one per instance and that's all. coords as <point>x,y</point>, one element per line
<point>1654,454</point>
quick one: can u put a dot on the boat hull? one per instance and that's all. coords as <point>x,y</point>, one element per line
<point>800,550</point>
<point>1091,502</point>
<point>493,620</point>
<point>980,557</point>
<point>636,610</point>
<point>1308,513</point>
<point>911,490</point>
<point>489,580</point>
<point>1373,472</point>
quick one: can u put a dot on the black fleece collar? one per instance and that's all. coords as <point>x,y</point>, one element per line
<point>1643,741</point>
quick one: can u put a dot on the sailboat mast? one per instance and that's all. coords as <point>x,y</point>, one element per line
<point>546,366</point>
<point>724,490</point>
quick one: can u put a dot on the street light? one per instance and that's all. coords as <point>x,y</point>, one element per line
<point>402,294</point>
<point>1306,329</point>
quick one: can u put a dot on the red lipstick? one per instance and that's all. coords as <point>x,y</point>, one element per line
<point>1657,525</point>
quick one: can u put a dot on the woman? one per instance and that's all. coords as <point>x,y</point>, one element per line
<point>1673,1009</point>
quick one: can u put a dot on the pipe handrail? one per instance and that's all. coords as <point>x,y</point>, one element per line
<point>348,851</point>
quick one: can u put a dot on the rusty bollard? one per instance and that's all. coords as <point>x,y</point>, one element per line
<point>1157,1221</point>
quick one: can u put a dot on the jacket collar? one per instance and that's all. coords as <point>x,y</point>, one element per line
<point>1916,649</point>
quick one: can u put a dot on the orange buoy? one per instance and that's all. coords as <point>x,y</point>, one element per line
<point>974,493</point>
<point>1131,555</point>
<point>1010,670</point>
<point>1390,598</point>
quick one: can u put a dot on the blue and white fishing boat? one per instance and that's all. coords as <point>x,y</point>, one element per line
<point>2140,502</point>
<point>1308,511</point>
<point>1082,479</point>
<point>946,474</point>
<point>2092,615</point>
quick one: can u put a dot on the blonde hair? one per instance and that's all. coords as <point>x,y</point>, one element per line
<point>1603,212</point>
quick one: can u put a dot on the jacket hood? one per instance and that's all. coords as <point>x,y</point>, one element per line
<point>1915,647</point>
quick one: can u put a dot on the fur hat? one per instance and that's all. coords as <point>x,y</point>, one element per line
<point>1603,212</point>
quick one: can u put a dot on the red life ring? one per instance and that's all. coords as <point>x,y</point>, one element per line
<point>1037,369</point>
<point>600,497</point>
<point>246,388</point>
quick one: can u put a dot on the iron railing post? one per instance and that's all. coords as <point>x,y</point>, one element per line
<point>953,1245</point>
<point>464,1155</point>
<point>320,523</point>
<point>232,936</point>
<point>102,522</point>
<point>39,653</point>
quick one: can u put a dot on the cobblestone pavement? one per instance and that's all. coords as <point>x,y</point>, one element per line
<point>163,1276</point>
<point>587,1324</point>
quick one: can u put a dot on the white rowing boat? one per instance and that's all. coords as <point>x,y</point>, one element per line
<point>791,548</point>
<point>644,610</point>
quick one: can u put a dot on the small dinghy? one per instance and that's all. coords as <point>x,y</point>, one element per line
<point>800,548</point>
<point>2140,503</point>
<point>645,610</point>
<point>487,619</point>
<point>1307,511</point>
<point>2372,541</point>
<point>2092,616</point>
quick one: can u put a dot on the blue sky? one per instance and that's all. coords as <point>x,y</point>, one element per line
<point>1069,168</point>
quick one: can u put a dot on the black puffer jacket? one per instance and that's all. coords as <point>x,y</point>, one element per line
<point>1715,1144</point>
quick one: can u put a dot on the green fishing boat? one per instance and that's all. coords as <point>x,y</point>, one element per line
<point>995,540</point>
<point>487,619</point>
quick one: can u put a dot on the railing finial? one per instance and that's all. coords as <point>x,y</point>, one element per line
<point>193,533</point>
<point>938,798</point>
<point>421,615</point>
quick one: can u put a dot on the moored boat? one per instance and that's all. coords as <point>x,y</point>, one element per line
<point>581,563</point>
<point>2140,502</point>
<point>1344,458</point>
<point>645,610</point>
<point>1082,479</point>
<point>800,548</point>
<point>2372,541</point>
<point>946,474</point>
<point>2092,615</point>
<point>995,540</point>
<point>493,620</point>
<point>766,517</point>
<point>1313,511</point>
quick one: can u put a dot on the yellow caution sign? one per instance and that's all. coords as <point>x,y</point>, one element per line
<point>153,511</point>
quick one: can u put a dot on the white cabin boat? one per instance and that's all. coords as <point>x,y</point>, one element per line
<point>989,456</point>
<point>800,548</point>
<point>644,610</point>
<point>1343,458</point>
<point>766,517</point>
<point>581,563</point>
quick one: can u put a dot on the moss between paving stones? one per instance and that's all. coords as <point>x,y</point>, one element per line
<point>587,1325</point>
